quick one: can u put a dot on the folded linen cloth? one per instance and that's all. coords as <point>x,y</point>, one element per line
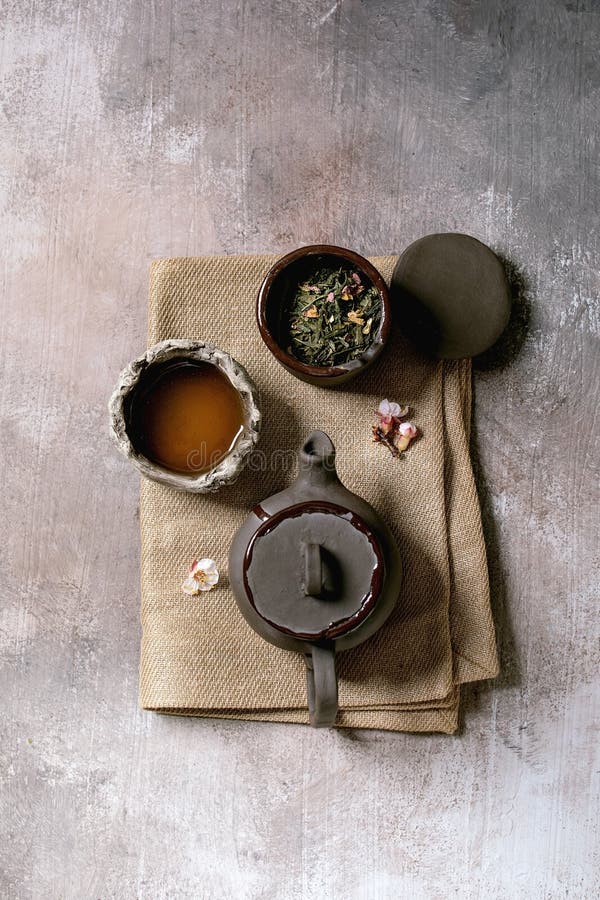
<point>198,655</point>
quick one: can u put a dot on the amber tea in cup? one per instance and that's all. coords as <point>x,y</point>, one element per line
<point>185,416</point>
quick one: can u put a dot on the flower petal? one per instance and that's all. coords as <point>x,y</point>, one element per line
<point>355,317</point>
<point>190,586</point>
<point>384,408</point>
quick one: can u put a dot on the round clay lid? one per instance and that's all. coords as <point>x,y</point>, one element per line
<point>313,570</point>
<point>451,295</point>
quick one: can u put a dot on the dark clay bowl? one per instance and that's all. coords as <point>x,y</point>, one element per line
<point>276,293</point>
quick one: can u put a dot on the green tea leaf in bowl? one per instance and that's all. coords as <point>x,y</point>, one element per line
<point>334,316</point>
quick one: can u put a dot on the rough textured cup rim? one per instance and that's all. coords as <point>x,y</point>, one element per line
<point>354,366</point>
<point>230,466</point>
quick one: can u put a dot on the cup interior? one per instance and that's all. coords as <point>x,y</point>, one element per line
<point>281,291</point>
<point>134,413</point>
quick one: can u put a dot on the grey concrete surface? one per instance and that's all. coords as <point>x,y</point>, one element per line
<point>137,129</point>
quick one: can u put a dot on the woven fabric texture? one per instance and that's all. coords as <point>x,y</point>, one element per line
<point>198,656</point>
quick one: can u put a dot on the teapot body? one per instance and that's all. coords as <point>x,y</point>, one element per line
<point>314,569</point>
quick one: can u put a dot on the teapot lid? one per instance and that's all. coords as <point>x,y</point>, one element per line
<point>314,570</point>
<point>452,296</point>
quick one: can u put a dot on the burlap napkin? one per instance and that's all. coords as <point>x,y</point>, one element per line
<point>198,655</point>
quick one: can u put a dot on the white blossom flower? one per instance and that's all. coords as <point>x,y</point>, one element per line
<point>203,576</point>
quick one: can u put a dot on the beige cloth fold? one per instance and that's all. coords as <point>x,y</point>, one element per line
<point>198,656</point>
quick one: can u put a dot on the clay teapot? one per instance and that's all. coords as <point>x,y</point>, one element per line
<point>315,570</point>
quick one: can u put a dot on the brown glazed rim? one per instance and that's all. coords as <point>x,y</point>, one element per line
<point>358,262</point>
<point>334,629</point>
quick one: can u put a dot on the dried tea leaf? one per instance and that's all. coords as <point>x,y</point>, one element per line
<point>319,317</point>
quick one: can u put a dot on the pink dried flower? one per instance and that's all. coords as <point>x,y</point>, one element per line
<point>405,433</point>
<point>407,429</point>
<point>330,296</point>
<point>356,277</point>
<point>388,410</point>
<point>386,414</point>
<point>389,414</point>
<point>390,430</point>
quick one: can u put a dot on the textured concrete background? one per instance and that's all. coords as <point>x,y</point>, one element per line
<point>135,129</point>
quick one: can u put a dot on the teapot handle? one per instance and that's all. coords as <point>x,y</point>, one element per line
<point>321,685</point>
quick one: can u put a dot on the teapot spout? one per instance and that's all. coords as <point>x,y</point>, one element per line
<point>317,460</point>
